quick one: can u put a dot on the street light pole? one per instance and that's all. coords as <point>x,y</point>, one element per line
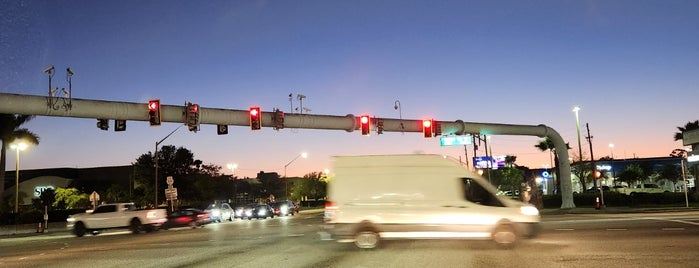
<point>286,181</point>
<point>576,109</point>
<point>17,147</point>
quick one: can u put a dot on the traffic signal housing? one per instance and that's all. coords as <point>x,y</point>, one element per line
<point>192,116</point>
<point>598,174</point>
<point>103,124</point>
<point>278,119</point>
<point>154,112</point>
<point>428,128</point>
<point>255,118</point>
<point>365,125</point>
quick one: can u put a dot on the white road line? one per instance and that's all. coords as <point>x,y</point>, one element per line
<point>672,229</point>
<point>565,229</point>
<point>680,221</point>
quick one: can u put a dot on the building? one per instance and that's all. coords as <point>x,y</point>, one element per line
<point>87,180</point>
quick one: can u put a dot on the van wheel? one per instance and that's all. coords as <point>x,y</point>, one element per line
<point>79,229</point>
<point>366,238</point>
<point>505,235</point>
<point>135,226</point>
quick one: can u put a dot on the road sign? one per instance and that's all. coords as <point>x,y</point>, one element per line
<point>171,193</point>
<point>455,140</point>
<point>94,197</point>
<point>690,137</point>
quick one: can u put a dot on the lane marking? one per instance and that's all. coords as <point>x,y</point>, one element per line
<point>617,229</point>
<point>565,229</point>
<point>673,229</point>
<point>674,220</point>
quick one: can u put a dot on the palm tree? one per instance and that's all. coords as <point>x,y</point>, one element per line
<point>9,132</point>
<point>687,127</point>
<point>547,144</point>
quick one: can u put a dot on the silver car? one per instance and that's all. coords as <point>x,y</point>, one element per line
<point>220,212</point>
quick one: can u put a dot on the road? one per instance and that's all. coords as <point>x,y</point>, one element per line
<point>587,240</point>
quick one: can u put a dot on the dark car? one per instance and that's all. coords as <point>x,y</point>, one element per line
<point>261,211</point>
<point>190,217</point>
<point>239,212</point>
<point>284,208</point>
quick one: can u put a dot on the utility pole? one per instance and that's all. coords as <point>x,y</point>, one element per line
<point>594,166</point>
<point>592,156</point>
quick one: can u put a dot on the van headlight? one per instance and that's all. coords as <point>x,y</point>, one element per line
<point>529,210</point>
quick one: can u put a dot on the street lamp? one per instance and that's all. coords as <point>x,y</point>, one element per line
<point>17,146</point>
<point>232,167</point>
<point>576,109</point>
<point>611,149</point>
<point>286,181</point>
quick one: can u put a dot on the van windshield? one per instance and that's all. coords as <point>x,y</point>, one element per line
<point>474,192</point>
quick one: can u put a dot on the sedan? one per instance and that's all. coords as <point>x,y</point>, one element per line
<point>284,208</point>
<point>220,212</point>
<point>190,217</point>
<point>261,211</point>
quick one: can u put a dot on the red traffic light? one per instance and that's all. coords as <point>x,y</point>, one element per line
<point>255,122</point>
<point>427,128</point>
<point>365,125</point>
<point>598,174</point>
<point>154,112</point>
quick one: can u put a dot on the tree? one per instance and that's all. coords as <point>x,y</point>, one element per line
<point>671,173</point>
<point>70,198</point>
<point>198,182</point>
<point>9,132</point>
<point>312,186</point>
<point>633,173</point>
<point>547,144</point>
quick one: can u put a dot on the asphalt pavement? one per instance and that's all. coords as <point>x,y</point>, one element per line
<point>23,230</point>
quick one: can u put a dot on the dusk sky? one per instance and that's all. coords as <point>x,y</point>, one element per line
<point>632,67</point>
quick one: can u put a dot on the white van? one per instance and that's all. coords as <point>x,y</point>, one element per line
<point>419,196</point>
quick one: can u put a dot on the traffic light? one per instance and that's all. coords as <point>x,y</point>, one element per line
<point>598,174</point>
<point>365,125</point>
<point>192,116</point>
<point>255,118</point>
<point>278,119</point>
<point>103,124</point>
<point>427,128</point>
<point>154,112</point>
<point>437,128</point>
<point>119,125</point>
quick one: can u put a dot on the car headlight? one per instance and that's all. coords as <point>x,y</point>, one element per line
<point>529,210</point>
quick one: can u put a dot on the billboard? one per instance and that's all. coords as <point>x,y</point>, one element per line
<point>493,162</point>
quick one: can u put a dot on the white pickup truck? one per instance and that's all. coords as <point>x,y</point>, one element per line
<point>117,215</point>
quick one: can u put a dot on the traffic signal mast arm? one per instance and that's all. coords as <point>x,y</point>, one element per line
<point>81,108</point>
